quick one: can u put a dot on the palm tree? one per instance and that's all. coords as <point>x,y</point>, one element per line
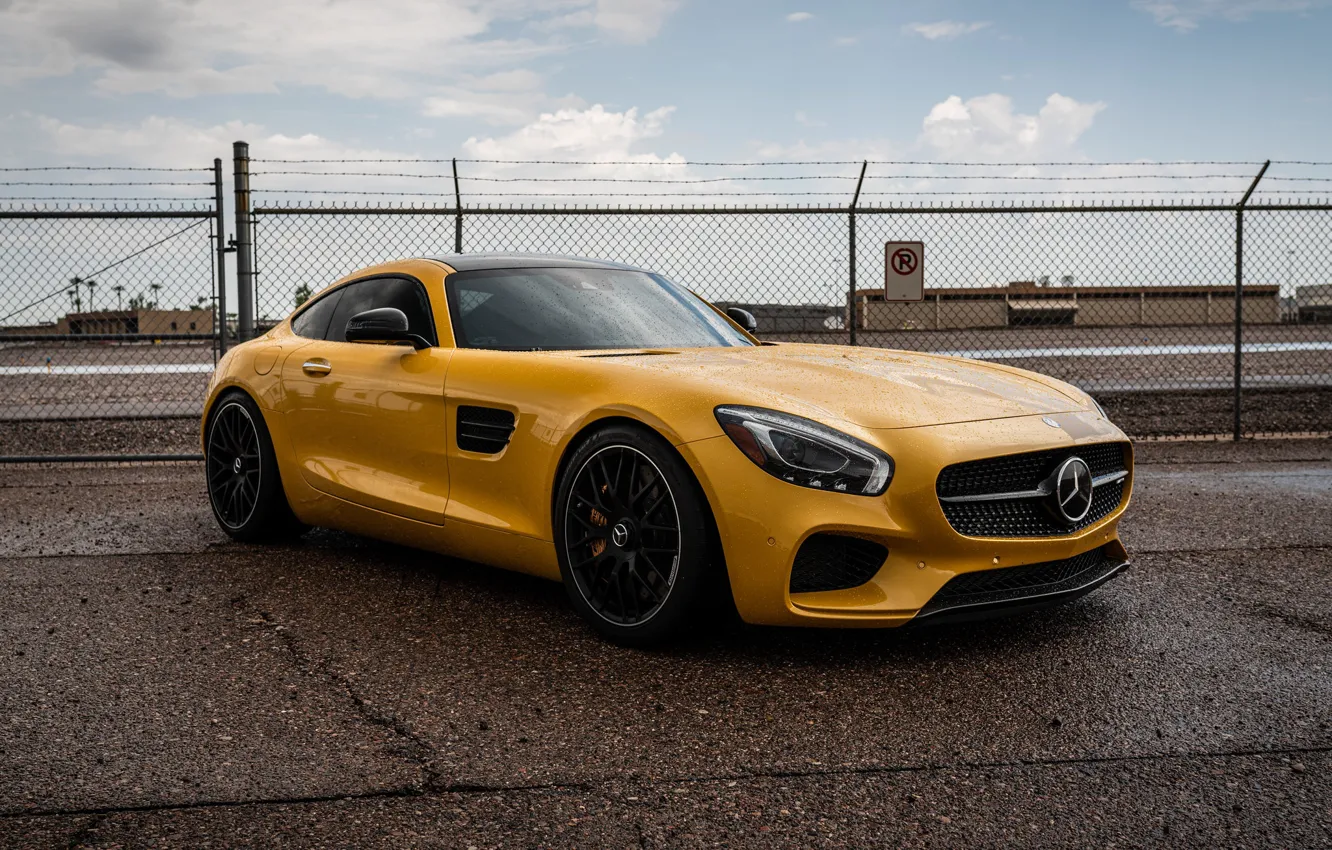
<point>118,289</point>
<point>156,288</point>
<point>92,287</point>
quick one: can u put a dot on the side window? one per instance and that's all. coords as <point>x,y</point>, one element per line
<point>407,295</point>
<point>312,322</point>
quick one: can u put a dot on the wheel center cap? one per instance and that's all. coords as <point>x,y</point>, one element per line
<point>620,534</point>
<point>236,466</point>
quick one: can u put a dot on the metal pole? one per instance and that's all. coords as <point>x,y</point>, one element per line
<point>220,306</point>
<point>457,204</point>
<point>851,312</point>
<point>244,248</point>
<point>1239,300</point>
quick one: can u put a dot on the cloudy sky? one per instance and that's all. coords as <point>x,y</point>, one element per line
<point>175,81</point>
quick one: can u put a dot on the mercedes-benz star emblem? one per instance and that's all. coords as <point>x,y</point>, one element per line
<point>1073,490</point>
<point>236,467</point>
<point>620,534</point>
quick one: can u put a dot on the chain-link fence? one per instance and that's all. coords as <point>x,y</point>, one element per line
<point>1134,305</point>
<point>113,314</point>
<point>109,312</point>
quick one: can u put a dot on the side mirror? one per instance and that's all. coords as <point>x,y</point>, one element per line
<point>743,318</point>
<point>384,324</point>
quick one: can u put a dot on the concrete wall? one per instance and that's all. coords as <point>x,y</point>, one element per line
<point>973,314</point>
<point>1108,311</point>
<point>185,321</point>
<point>892,316</point>
<point>1174,311</point>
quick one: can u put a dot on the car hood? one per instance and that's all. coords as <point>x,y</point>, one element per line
<point>872,388</point>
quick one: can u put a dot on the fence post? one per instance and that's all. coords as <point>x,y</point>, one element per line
<point>851,317</point>
<point>1239,299</point>
<point>220,307</point>
<point>244,248</point>
<point>457,206</point>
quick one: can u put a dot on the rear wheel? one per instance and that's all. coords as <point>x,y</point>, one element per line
<point>632,537</point>
<point>244,487</point>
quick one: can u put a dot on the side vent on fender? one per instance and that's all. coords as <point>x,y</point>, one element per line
<point>484,429</point>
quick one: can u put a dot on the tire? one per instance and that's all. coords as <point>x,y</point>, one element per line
<point>244,487</point>
<point>633,537</point>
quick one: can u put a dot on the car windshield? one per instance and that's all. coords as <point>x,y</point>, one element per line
<point>556,309</point>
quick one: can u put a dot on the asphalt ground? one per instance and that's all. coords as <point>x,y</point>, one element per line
<point>163,686</point>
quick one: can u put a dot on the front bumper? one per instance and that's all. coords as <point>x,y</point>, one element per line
<point>947,608</point>
<point>763,522</point>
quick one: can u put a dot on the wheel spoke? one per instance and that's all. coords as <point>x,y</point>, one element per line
<point>666,494</point>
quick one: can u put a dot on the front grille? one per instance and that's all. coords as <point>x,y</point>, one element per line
<point>1026,517</point>
<point>835,562</point>
<point>484,429</point>
<point>1014,584</point>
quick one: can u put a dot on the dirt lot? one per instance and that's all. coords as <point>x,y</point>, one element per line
<point>165,687</point>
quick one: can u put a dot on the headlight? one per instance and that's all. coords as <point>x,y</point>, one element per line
<point>804,452</point>
<point>1099,409</point>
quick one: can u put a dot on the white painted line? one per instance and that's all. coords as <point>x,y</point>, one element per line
<point>1135,350</point>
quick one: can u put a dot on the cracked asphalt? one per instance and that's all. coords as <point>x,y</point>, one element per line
<point>161,686</point>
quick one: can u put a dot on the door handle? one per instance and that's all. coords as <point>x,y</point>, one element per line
<point>316,367</point>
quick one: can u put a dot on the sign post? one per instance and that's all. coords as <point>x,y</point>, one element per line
<point>904,271</point>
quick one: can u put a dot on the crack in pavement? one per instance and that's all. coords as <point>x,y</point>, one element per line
<point>591,786</point>
<point>417,750</point>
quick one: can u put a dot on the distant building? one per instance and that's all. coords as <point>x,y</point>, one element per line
<point>792,318</point>
<point>1023,303</point>
<point>1314,302</point>
<point>136,321</point>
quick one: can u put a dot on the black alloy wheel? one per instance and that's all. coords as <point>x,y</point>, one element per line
<point>633,536</point>
<point>244,486</point>
<point>623,535</point>
<point>234,472</point>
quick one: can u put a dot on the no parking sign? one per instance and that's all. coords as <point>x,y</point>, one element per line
<point>904,271</point>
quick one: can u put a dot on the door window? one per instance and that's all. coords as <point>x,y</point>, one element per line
<point>312,322</point>
<point>404,294</point>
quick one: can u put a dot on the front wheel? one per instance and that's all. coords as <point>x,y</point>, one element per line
<point>244,487</point>
<point>632,536</point>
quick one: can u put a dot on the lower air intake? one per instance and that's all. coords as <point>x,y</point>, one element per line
<point>835,562</point>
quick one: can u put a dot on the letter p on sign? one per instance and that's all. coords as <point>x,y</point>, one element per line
<point>904,271</point>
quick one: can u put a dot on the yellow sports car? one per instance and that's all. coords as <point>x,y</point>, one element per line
<point>598,424</point>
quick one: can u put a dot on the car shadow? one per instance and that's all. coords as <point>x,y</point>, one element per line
<point>491,592</point>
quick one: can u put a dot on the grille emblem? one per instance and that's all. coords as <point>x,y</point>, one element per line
<point>1073,490</point>
<point>1048,421</point>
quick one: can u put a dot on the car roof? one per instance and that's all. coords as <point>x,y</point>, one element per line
<point>476,262</point>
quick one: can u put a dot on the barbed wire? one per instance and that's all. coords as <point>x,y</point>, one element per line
<point>958,193</point>
<point>94,199</point>
<point>95,168</point>
<point>102,183</point>
<point>769,163</point>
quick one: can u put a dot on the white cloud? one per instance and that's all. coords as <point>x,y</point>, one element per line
<point>633,21</point>
<point>1187,15</point>
<point>583,134</point>
<point>390,48</point>
<point>947,29</point>
<point>986,127</point>
<point>797,17</point>
<point>171,142</point>
<point>805,121</point>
